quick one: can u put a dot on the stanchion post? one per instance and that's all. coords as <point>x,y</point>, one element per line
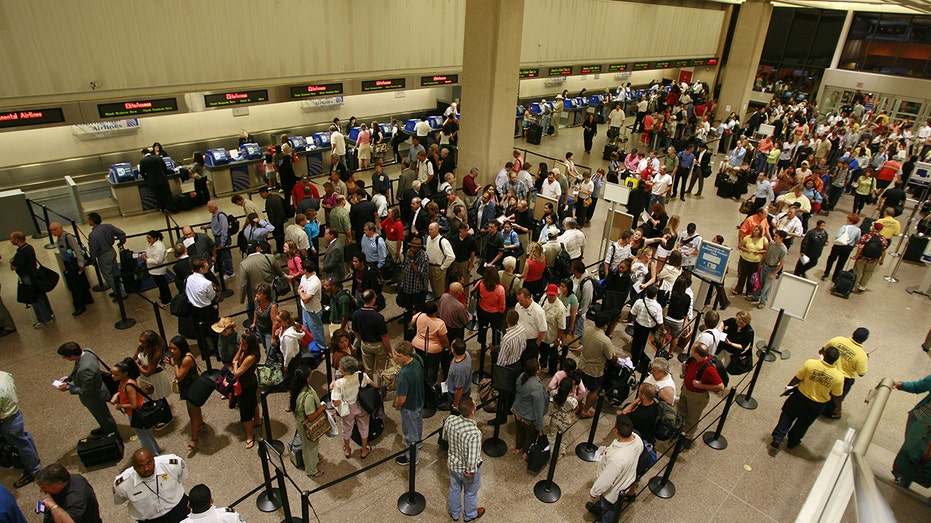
<point>715,439</point>
<point>412,502</point>
<point>35,223</point>
<point>270,500</point>
<point>285,504</point>
<point>746,400</point>
<point>768,353</point>
<point>891,276</point>
<point>278,444</point>
<point>51,243</point>
<point>158,319</point>
<point>587,450</point>
<point>662,486</point>
<point>305,506</point>
<point>124,323</point>
<point>695,327</point>
<point>480,374</point>
<point>495,446</point>
<point>547,490</point>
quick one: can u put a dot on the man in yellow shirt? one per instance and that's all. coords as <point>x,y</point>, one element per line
<point>851,363</point>
<point>818,382</point>
<point>891,226</point>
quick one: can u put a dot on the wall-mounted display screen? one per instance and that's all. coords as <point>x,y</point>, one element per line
<point>236,98</point>
<point>307,91</point>
<point>28,117</point>
<point>137,107</point>
<point>383,85</point>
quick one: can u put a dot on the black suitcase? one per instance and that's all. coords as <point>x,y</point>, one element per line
<point>98,450</point>
<point>184,202</point>
<point>610,149</point>
<point>844,284</point>
<point>376,428</point>
<point>352,159</point>
<point>535,134</point>
<point>538,455</point>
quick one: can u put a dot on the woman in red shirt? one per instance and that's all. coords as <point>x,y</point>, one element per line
<point>490,306</point>
<point>393,230</point>
<point>533,270</point>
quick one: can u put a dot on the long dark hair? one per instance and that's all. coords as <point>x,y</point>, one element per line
<point>565,386</point>
<point>252,345</point>
<point>298,382</point>
<point>490,279</point>
<point>183,347</point>
<point>129,367</point>
<point>530,370</point>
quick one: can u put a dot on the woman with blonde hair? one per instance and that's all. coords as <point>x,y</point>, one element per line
<point>534,268</point>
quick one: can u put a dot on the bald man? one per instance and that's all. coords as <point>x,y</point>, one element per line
<point>74,258</point>
<point>452,310</point>
<point>153,488</point>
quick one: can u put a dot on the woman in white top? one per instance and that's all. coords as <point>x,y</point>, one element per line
<point>154,255</point>
<point>667,276</point>
<point>287,337</point>
<point>661,379</point>
<point>586,188</point>
<point>345,397</point>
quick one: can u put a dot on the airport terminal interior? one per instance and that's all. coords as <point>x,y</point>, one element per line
<point>102,101</point>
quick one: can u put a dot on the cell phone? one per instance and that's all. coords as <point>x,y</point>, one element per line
<point>40,507</point>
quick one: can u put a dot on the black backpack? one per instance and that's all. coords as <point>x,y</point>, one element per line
<point>873,249</point>
<point>722,370</point>
<point>563,266</point>
<point>232,225</point>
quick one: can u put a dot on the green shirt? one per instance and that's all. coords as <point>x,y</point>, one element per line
<point>340,307</point>
<point>339,218</point>
<point>410,384</point>
<point>9,404</point>
<point>671,162</point>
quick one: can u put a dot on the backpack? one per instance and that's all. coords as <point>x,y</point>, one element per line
<point>873,249</point>
<point>563,266</point>
<point>669,423</point>
<point>353,304</point>
<point>597,289</point>
<point>488,396</point>
<point>722,371</point>
<point>232,225</point>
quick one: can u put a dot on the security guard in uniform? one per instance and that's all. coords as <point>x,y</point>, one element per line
<point>203,511</point>
<point>153,488</point>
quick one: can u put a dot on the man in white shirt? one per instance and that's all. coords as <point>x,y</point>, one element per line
<point>440,256</point>
<point>617,469</point>
<point>616,122</point>
<point>662,183</point>
<point>790,223</point>
<point>572,238</point>
<point>501,179</point>
<point>311,292</point>
<point>422,129</point>
<point>424,169</point>
<point>689,242</point>
<point>533,320</point>
<point>711,336</point>
<point>551,187</point>
<point>338,145</point>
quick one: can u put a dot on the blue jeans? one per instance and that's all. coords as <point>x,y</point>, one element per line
<point>272,354</point>
<point>41,307</point>
<point>313,321</point>
<point>762,295</point>
<point>654,199</point>
<point>147,440</point>
<point>224,266</point>
<point>14,432</point>
<point>459,483</point>
<point>411,426</point>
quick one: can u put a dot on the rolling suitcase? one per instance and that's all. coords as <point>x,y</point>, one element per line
<point>97,450</point>
<point>610,148</point>
<point>535,134</point>
<point>844,284</point>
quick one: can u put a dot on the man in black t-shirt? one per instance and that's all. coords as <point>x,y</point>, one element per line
<point>893,197</point>
<point>67,495</point>
<point>464,247</point>
<point>369,326</point>
<point>643,411</point>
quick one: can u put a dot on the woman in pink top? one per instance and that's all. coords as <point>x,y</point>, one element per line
<point>364,144</point>
<point>490,306</point>
<point>431,340</point>
<point>570,370</point>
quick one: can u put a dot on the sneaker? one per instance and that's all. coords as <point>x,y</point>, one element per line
<point>38,325</point>
<point>229,276</point>
<point>402,460</point>
<point>24,480</point>
<point>478,513</point>
<point>775,444</point>
<point>760,305</point>
<point>793,444</point>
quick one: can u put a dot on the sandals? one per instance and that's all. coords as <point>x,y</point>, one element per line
<point>347,452</point>
<point>192,445</point>
<point>366,451</point>
<point>250,443</point>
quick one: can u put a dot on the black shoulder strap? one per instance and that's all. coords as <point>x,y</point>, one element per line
<point>100,361</point>
<point>144,395</point>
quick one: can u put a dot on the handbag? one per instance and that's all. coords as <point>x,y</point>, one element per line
<point>26,293</point>
<point>741,363</point>
<point>746,206</point>
<point>202,387</point>
<point>539,454</point>
<point>180,306</point>
<point>316,425</point>
<point>755,282</point>
<point>269,375</point>
<point>45,279</point>
<point>587,202</point>
<point>150,413</point>
<point>370,400</point>
<point>280,284</point>
<point>332,425</point>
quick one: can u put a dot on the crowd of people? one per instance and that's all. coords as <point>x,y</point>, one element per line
<point>457,253</point>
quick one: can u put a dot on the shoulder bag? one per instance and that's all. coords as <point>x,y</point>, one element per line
<point>315,425</point>
<point>269,375</point>
<point>370,399</point>
<point>150,413</point>
<point>280,284</point>
<point>45,279</point>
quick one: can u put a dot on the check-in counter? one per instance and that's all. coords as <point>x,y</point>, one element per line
<point>135,196</point>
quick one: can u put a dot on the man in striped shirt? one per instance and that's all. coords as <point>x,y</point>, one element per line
<point>464,462</point>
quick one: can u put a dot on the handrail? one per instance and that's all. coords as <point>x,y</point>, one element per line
<point>865,434</point>
<point>871,504</point>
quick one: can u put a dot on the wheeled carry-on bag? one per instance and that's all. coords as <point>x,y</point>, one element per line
<point>98,450</point>
<point>609,149</point>
<point>535,134</point>
<point>844,284</point>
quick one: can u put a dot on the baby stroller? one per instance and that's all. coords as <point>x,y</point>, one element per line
<point>618,381</point>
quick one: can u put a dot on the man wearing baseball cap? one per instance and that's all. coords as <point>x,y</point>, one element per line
<point>871,251</point>
<point>555,312</point>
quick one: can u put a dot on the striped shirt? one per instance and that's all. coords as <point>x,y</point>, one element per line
<point>513,344</point>
<point>465,444</point>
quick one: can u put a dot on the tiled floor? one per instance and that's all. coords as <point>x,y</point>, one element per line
<point>742,483</point>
